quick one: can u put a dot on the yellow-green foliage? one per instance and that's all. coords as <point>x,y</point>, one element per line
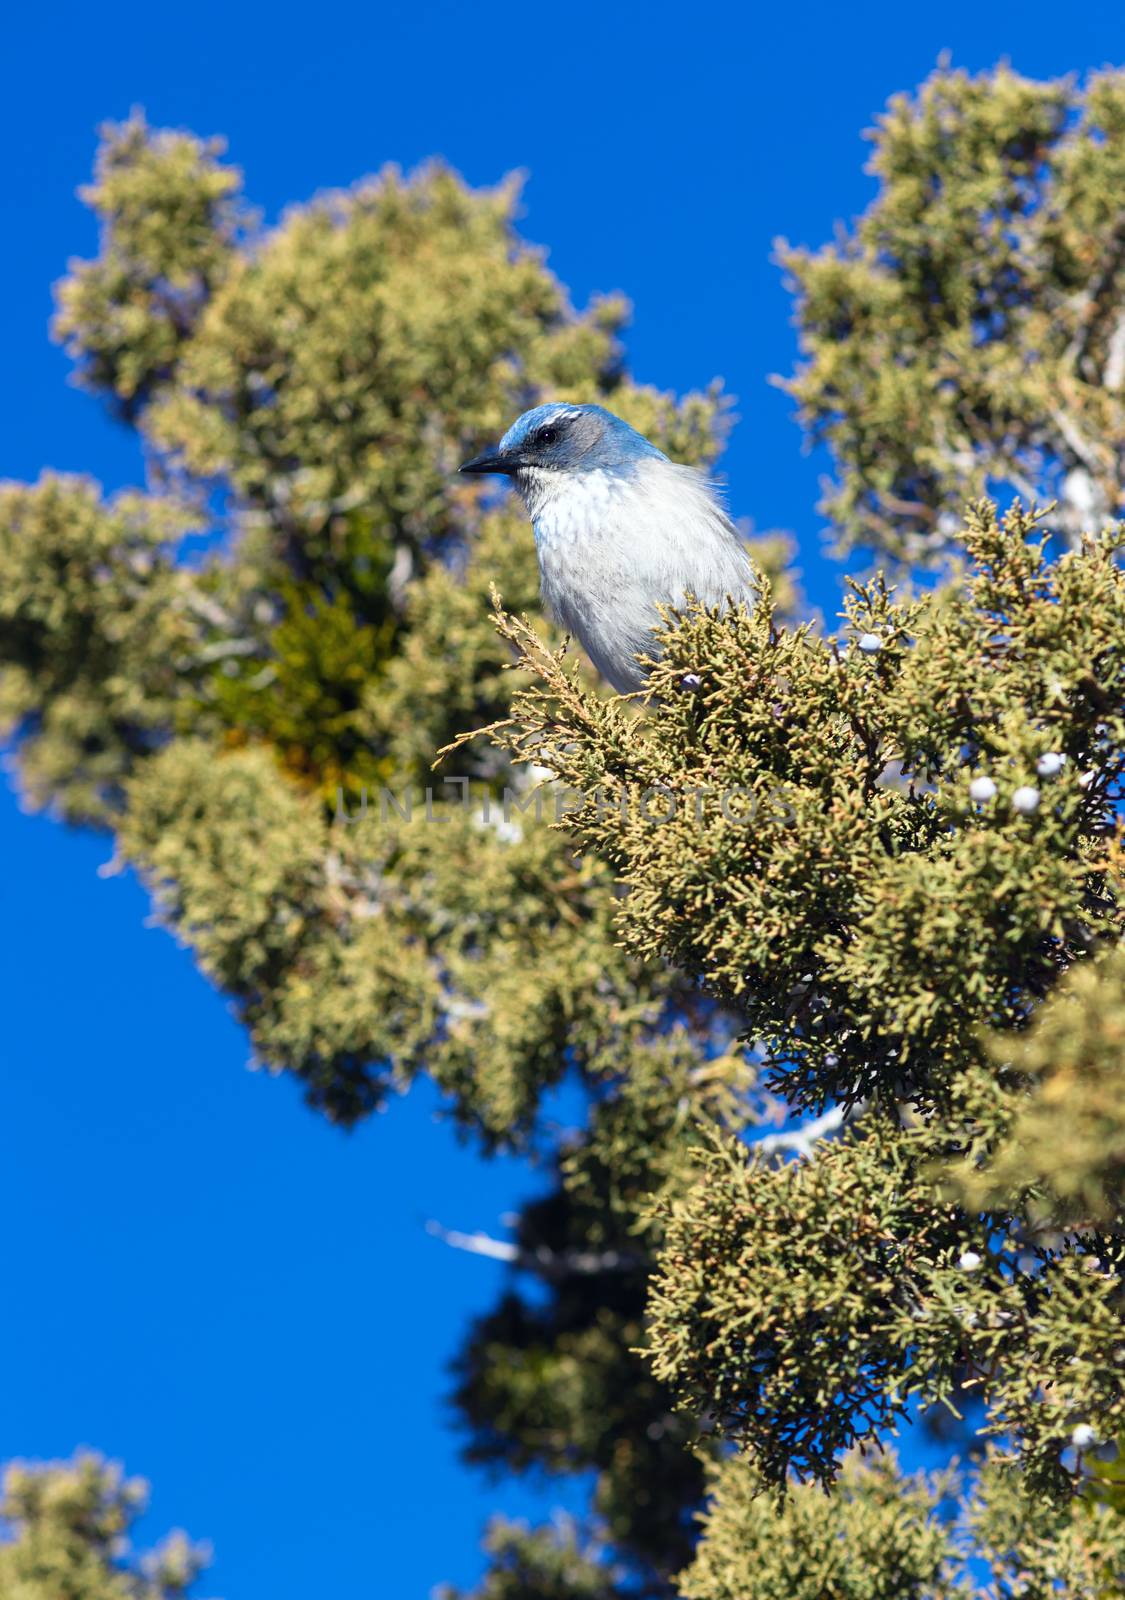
<point>329,374</point>
<point>450,671</point>
<point>310,389</point>
<point>99,636</point>
<point>1071,1551</point>
<point>882,1536</point>
<point>68,1526</point>
<point>969,330</point>
<point>805,1305</point>
<point>877,1538</point>
<point>170,223</point>
<point>793,823</point>
<point>826,867</point>
<point>367,948</point>
<point>308,697</point>
<point>353,359</point>
<point>1066,1139</point>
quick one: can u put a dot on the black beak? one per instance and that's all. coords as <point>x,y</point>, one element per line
<point>490,461</point>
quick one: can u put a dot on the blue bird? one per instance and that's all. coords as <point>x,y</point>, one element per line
<point>619,530</point>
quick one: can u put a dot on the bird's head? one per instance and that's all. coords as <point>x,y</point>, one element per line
<point>558,439</point>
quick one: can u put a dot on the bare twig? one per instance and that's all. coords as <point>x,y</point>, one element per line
<point>1114,377</point>
<point>802,1140</point>
<point>548,1263</point>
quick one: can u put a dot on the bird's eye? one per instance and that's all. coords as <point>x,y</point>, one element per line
<point>548,435</point>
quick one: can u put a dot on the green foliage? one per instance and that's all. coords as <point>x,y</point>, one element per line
<point>1070,1551</point>
<point>793,824</point>
<point>365,951</point>
<point>68,1529</point>
<point>365,349</point>
<point>308,697</point>
<point>807,1304</point>
<point>450,672</point>
<point>98,635</point>
<point>969,331</point>
<point>1066,1139</point>
<point>559,1382</point>
<point>877,1538</point>
<point>883,1536</point>
<point>327,376</point>
<point>539,1564</point>
<point>171,222</point>
<point>826,867</point>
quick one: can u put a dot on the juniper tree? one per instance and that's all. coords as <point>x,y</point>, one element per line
<point>873,859</point>
<point>968,332</point>
<point>230,716</point>
<point>884,1534</point>
<point>67,1537</point>
<point>879,847</point>
<point>931,853</point>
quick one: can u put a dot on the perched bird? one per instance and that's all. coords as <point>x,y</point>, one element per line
<point>619,529</point>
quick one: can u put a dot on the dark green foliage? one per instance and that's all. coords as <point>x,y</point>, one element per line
<point>307,693</point>
<point>556,1379</point>
<point>540,1564</point>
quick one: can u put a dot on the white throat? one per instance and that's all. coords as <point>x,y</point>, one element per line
<point>568,507</point>
<point>541,486</point>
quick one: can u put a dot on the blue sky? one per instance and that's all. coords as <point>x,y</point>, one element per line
<point>202,1278</point>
